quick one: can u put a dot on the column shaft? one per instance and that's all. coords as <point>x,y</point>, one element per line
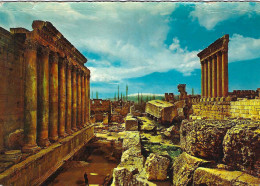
<point>202,79</point>
<point>214,77</point>
<point>54,92</point>
<point>62,98</point>
<point>219,75</point>
<point>88,99</point>
<point>74,99</point>
<point>83,99</point>
<point>43,98</point>
<point>30,97</point>
<point>210,78</point>
<point>69,100</point>
<point>79,100</point>
<point>206,78</point>
<point>224,74</point>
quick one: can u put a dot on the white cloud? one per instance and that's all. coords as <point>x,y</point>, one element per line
<point>210,14</point>
<point>243,48</point>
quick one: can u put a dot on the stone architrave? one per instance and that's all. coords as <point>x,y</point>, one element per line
<point>54,94</point>
<point>30,97</point>
<point>43,97</point>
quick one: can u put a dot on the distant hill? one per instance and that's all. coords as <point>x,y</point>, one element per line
<point>144,96</point>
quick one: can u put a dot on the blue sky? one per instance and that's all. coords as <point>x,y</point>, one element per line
<point>152,47</point>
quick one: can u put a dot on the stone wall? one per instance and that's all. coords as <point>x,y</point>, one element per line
<point>11,86</point>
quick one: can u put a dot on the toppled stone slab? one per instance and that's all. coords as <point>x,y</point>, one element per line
<point>208,176</point>
<point>147,124</point>
<point>184,167</point>
<point>241,147</point>
<point>15,139</point>
<point>131,124</point>
<point>132,159</point>
<point>156,167</point>
<point>132,139</point>
<point>203,138</point>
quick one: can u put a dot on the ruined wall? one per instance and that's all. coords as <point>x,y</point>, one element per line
<point>11,86</point>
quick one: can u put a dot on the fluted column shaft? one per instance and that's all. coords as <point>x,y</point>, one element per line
<point>202,79</point>
<point>79,112</point>
<point>62,97</point>
<point>69,100</point>
<point>219,75</point>
<point>83,99</point>
<point>87,99</point>
<point>210,78</point>
<point>206,78</point>
<point>54,92</point>
<point>30,97</point>
<point>74,99</point>
<point>224,73</point>
<point>214,77</point>
<point>43,97</point>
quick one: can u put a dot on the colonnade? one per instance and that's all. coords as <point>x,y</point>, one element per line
<point>56,96</point>
<point>214,75</point>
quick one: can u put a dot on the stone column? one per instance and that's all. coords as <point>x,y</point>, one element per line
<point>202,78</point>
<point>43,97</point>
<point>62,97</point>
<point>30,96</point>
<point>74,99</point>
<point>224,73</point>
<point>210,77</point>
<point>83,99</point>
<point>87,79</point>
<point>219,75</point>
<point>69,99</point>
<point>214,76</point>
<point>206,78</point>
<point>54,92</point>
<point>79,111</point>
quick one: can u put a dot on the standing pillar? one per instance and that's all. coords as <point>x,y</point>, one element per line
<point>74,99</point>
<point>214,77</point>
<point>202,79</point>
<point>30,96</point>
<point>62,97</point>
<point>206,78</point>
<point>88,98</point>
<point>43,97</point>
<point>224,73</point>
<point>219,75</point>
<point>79,112</point>
<point>83,99</point>
<point>54,92</point>
<point>210,78</point>
<point>69,100</point>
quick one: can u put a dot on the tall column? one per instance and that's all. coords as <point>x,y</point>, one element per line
<point>43,97</point>
<point>219,75</point>
<point>83,99</point>
<point>202,79</point>
<point>74,98</point>
<point>69,100</point>
<point>214,77</point>
<point>224,73</point>
<point>30,96</point>
<point>54,92</point>
<point>206,78</point>
<point>88,98</point>
<point>210,78</point>
<point>62,97</point>
<point>79,122</point>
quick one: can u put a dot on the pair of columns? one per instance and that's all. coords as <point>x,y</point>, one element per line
<point>56,97</point>
<point>214,75</point>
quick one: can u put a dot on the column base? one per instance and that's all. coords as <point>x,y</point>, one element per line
<point>63,135</point>
<point>74,129</point>
<point>44,142</point>
<point>53,139</point>
<point>30,149</point>
<point>69,132</point>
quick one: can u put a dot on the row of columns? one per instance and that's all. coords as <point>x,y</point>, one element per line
<point>56,97</point>
<point>214,75</point>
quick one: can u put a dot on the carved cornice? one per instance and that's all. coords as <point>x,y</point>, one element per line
<point>220,44</point>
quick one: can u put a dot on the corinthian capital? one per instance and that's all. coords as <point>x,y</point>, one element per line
<point>45,50</point>
<point>54,58</point>
<point>31,44</point>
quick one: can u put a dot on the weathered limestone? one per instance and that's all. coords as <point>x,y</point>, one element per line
<point>131,124</point>
<point>87,91</point>
<point>214,64</point>
<point>43,97</point>
<point>156,167</point>
<point>83,105</point>
<point>30,106</point>
<point>202,79</point>
<point>74,99</point>
<point>54,92</point>
<point>79,106</point>
<point>68,126</point>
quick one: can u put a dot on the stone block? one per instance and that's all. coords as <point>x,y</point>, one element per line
<point>131,124</point>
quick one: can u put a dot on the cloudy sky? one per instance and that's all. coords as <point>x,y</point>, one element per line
<point>152,47</point>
